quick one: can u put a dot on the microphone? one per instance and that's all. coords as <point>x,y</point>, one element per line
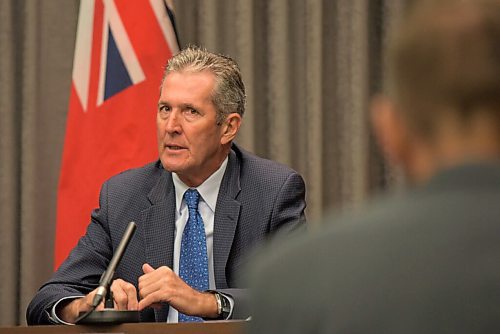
<point>107,276</point>
<point>110,316</point>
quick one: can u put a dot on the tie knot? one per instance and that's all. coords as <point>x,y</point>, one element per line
<point>192,197</point>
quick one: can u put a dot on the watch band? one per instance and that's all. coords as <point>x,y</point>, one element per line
<point>219,303</point>
<point>226,306</point>
<point>223,305</point>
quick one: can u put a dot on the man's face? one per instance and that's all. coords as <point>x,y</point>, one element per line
<point>189,139</point>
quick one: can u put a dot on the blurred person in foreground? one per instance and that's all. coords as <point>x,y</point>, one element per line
<point>425,260</point>
<point>199,209</point>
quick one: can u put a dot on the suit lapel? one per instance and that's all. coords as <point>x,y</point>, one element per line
<point>226,218</point>
<point>159,228</point>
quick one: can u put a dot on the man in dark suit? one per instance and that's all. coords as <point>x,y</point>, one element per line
<point>425,260</point>
<point>173,271</point>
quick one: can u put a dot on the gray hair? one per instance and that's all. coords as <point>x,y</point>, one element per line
<point>228,95</point>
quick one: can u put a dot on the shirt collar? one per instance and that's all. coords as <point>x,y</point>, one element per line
<point>209,189</point>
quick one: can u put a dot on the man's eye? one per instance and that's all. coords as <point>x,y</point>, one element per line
<point>190,112</point>
<point>164,111</point>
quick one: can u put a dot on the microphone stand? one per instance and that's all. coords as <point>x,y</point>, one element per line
<point>109,315</point>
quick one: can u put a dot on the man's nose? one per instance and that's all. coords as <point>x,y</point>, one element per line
<point>173,124</point>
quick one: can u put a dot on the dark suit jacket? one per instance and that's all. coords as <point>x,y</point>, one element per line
<point>424,261</point>
<point>257,197</point>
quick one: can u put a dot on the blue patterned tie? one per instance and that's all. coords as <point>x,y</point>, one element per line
<point>193,262</point>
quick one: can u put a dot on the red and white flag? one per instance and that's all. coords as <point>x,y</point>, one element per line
<point>121,49</point>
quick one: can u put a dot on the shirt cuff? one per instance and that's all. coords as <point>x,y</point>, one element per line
<point>53,314</point>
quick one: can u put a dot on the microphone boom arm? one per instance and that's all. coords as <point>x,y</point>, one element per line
<point>107,277</point>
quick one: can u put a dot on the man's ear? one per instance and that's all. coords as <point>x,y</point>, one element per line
<point>390,130</point>
<point>230,128</point>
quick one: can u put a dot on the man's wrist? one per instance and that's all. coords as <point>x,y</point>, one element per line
<point>209,306</point>
<point>56,312</point>
<point>219,303</point>
<point>223,305</point>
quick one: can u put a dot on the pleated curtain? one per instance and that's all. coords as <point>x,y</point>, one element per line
<point>310,68</point>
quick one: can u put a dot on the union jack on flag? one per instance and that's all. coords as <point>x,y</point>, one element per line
<point>121,49</point>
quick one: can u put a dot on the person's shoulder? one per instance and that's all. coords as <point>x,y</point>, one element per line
<point>146,174</point>
<point>341,233</point>
<point>255,165</point>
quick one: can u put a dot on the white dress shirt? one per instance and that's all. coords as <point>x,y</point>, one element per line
<point>209,192</point>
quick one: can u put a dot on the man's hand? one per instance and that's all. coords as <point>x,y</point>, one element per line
<point>162,285</point>
<point>70,311</point>
<point>124,294</point>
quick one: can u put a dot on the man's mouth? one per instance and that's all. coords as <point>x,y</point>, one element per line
<point>174,147</point>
